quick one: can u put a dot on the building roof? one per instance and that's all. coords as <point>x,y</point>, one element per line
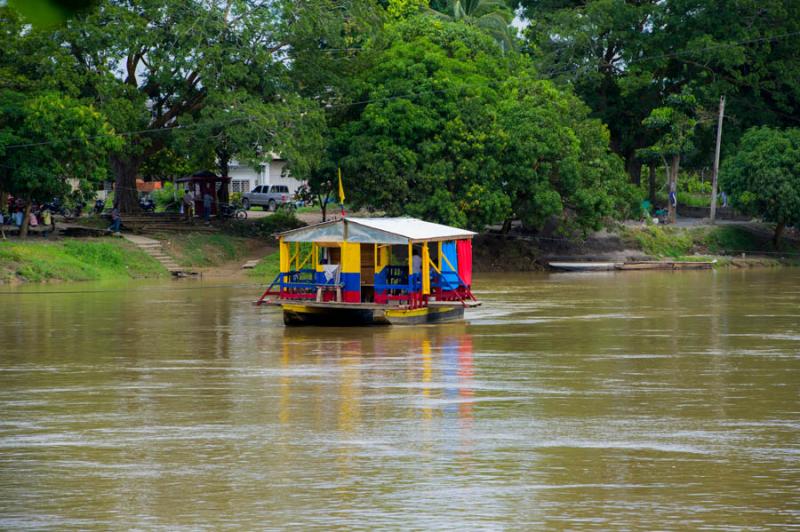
<point>376,231</point>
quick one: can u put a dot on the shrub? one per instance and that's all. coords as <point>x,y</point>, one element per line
<point>732,239</point>
<point>692,183</point>
<point>662,242</point>
<point>167,199</point>
<point>266,227</point>
<point>693,200</point>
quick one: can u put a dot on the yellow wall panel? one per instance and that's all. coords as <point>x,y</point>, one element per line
<point>285,257</point>
<point>351,257</point>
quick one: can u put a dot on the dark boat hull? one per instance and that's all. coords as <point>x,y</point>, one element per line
<point>298,315</point>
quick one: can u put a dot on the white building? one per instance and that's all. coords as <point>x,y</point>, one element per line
<point>245,178</point>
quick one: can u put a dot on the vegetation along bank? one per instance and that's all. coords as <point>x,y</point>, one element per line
<point>75,260</point>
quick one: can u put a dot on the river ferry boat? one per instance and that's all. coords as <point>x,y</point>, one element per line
<point>355,271</point>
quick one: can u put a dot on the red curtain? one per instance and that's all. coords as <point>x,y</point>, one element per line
<point>464,250</point>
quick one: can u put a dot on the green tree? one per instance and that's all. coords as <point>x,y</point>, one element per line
<point>492,16</point>
<point>148,64</point>
<point>625,57</point>
<point>675,125</point>
<point>592,46</point>
<point>420,145</point>
<point>154,65</point>
<point>457,131</point>
<point>556,161</point>
<point>47,140</point>
<point>762,177</point>
<point>243,127</point>
<point>48,134</point>
<point>405,8</point>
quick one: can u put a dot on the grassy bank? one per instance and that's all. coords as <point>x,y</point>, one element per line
<point>201,250</point>
<point>267,268</point>
<point>75,260</point>
<point>697,242</point>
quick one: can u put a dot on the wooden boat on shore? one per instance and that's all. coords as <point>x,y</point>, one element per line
<point>362,271</point>
<point>666,265</point>
<point>583,266</point>
<point>632,265</point>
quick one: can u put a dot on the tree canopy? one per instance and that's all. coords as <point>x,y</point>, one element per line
<point>454,130</point>
<point>492,16</point>
<point>47,134</point>
<point>762,177</point>
<point>430,107</point>
<point>625,58</point>
<point>152,66</point>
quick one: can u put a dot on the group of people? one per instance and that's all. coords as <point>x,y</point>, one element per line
<point>39,216</point>
<point>188,205</point>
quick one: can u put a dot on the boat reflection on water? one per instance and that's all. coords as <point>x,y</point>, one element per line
<point>423,376</point>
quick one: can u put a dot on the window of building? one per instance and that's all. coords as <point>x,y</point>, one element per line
<point>240,185</point>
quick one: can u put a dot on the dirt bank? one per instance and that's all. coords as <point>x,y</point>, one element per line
<point>734,244</point>
<point>494,252</point>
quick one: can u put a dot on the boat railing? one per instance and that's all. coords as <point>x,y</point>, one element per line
<point>269,291</point>
<point>298,284</point>
<point>447,280</point>
<point>447,285</point>
<point>394,283</point>
<point>305,279</point>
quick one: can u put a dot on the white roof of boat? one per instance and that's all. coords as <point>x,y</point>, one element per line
<point>376,230</point>
<point>413,228</point>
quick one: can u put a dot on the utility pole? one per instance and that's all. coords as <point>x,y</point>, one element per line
<point>716,160</point>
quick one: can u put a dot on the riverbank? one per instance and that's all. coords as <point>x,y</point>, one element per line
<point>736,245</point>
<point>222,254</point>
<point>35,260</point>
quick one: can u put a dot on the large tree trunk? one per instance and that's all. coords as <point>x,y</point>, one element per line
<point>224,168</point>
<point>26,218</point>
<point>634,169</point>
<point>776,237</point>
<point>651,184</point>
<point>126,198</point>
<point>673,187</point>
<point>323,206</point>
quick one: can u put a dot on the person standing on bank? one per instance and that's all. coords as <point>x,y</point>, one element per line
<point>207,201</point>
<point>47,220</point>
<point>188,204</point>
<point>116,220</point>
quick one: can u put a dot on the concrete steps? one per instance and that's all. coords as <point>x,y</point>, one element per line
<point>155,250</point>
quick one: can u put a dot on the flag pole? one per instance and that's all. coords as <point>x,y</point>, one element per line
<point>341,193</point>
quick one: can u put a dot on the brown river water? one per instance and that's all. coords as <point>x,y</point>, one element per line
<point>634,400</point>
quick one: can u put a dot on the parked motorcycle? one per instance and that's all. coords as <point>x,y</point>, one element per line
<point>57,206</point>
<point>77,211</point>
<point>227,210</point>
<point>147,204</point>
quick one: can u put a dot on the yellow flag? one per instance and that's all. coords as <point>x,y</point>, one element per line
<point>341,188</point>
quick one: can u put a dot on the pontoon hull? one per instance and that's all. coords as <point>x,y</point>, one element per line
<point>315,315</point>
